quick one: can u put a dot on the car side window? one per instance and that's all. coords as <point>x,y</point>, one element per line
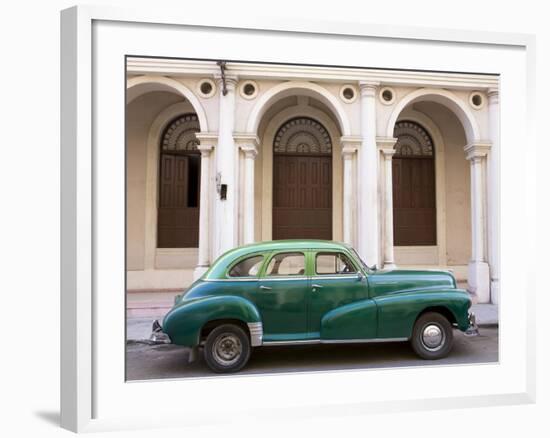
<point>333,263</point>
<point>286,263</point>
<point>249,267</point>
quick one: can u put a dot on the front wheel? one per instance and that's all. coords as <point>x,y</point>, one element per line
<point>227,349</point>
<point>432,336</point>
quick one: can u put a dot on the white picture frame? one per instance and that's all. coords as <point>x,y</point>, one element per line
<point>94,398</point>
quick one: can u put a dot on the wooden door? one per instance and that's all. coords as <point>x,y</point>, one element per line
<point>302,197</point>
<point>414,209</point>
<point>178,214</point>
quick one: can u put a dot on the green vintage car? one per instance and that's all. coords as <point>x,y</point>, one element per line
<point>290,292</point>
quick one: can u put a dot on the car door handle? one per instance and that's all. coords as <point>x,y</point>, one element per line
<point>316,286</point>
<point>265,287</point>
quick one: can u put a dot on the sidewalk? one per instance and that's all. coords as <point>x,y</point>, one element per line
<point>144,307</point>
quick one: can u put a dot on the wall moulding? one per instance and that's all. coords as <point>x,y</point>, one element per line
<point>183,67</point>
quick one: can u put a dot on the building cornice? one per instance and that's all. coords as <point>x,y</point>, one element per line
<point>246,138</point>
<point>350,144</point>
<point>477,150</point>
<point>386,145</point>
<point>177,67</point>
<point>208,140</point>
<point>248,143</point>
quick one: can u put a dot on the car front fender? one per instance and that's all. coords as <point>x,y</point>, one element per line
<point>398,312</point>
<point>183,323</point>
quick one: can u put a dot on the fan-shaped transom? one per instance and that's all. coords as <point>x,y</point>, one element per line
<point>180,134</point>
<point>302,135</point>
<point>412,140</point>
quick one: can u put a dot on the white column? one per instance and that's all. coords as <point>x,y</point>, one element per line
<point>349,147</point>
<point>248,143</point>
<point>386,146</point>
<point>207,143</point>
<point>225,229</point>
<point>367,176</point>
<point>478,268</point>
<point>493,194</point>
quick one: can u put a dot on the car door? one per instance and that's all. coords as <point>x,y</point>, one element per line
<point>339,293</point>
<point>282,297</point>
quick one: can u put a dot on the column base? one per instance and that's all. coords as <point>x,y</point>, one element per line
<point>479,281</point>
<point>389,266</point>
<point>199,270</point>
<point>495,291</point>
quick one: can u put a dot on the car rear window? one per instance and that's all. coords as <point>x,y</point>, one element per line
<point>249,267</point>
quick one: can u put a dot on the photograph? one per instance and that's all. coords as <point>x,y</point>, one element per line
<point>291,218</point>
<point>278,219</point>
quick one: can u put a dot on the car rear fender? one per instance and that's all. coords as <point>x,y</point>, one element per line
<point>184,323</point>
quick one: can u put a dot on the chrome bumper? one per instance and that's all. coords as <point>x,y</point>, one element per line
<point>472,329</point>
<point>157,334</point>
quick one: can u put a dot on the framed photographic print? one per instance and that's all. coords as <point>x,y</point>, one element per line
<point>251,208</point>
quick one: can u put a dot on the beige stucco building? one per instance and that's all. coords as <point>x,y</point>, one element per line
<point>403,165</point>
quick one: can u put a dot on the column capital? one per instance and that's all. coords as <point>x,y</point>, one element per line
<point>350,144</point>
<point>368,88</point>
<point>207,140</point>
<point>386,145</point>
<point>477,150</point>
<point>249,152</point>
<point>248,143</point>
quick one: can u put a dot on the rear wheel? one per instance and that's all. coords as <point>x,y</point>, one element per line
<point>432,336</point>
<point>227,349</point>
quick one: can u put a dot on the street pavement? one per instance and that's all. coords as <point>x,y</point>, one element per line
<point>145,362</point>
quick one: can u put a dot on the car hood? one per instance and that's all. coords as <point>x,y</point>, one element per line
<point>402,280</point>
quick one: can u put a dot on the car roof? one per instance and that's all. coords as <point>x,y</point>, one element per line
<point>219,267</point>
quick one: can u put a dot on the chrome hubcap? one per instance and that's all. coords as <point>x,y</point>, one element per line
<point>227,349</point>
<point>433,337</point>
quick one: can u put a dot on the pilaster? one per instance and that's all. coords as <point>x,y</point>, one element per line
<point>208,142</point>
<point>478,268</point>
<point>386,147</point>
<point>350,145</point>
<point>367,175</point>
<point>248,144</point>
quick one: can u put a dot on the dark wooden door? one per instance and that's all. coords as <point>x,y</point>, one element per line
<point>302,197</point>
<point>414,209</point>
<point>178,215</point>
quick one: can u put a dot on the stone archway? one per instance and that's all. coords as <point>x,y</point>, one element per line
<point>294,88</point>
<point>445,98</point>
<point>137,86</point>
<point>476,151</point>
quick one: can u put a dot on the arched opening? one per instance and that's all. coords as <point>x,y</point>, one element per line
<point>437,128</point>
<point>414,189</point>
<point>302,181</point>
<point>179,184</point>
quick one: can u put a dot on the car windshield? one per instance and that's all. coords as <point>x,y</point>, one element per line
<point>365,266</point>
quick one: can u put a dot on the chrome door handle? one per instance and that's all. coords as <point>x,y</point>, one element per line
<point>265,287</point>
<point>316,286</point>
